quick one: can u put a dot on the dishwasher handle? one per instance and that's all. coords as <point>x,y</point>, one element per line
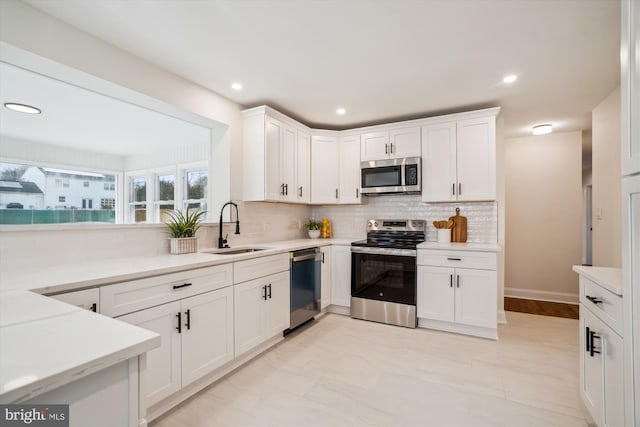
<point>305,255</point>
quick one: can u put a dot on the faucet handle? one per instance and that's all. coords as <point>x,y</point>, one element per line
<point>224,241</point>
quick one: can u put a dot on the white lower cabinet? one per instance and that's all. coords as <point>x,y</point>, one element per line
<point>196,335</point>
<point>261,310</point>
<point>341,275</point>
<point>325,278</point>
<point>601,355</point>
<point>458,299</point>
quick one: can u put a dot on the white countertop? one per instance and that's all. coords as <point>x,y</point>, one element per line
<point>45,343</point>
<point>479,247</point>
<point>607,277</point>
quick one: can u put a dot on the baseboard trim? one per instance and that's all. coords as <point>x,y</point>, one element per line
<point>533,294</point>
<point>502,317</point>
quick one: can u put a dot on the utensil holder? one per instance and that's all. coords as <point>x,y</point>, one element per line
<point>444,235</point>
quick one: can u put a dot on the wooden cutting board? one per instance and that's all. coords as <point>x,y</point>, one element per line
<point>459,231</point>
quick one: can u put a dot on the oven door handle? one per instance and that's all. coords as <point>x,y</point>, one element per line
<point>383,251</point>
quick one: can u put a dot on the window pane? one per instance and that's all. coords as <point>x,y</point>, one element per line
<point>138,213</point>
<point>42,195</point>
<point>138,189</point>
<point>165,211</point>
<point>196,185</point>
<point>166,187</point>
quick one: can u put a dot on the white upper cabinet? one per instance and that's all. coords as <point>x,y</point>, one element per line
<point>459,160</point>
<point>273,167</point>
<point>630,84</point>
<point>325,168</point>
<point>396,143</point>
<point>349,189</point>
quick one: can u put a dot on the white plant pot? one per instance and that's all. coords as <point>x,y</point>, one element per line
<point>183,245</point>
<point>314,234</point>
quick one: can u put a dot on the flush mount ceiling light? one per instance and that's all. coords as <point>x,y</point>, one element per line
<point>236,86</point>
<point>542,129</point>
<point>22,108</point>
<point>341,111</point>
<point>510,78</point>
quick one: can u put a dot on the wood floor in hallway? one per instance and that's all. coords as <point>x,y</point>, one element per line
<point>544,308</point>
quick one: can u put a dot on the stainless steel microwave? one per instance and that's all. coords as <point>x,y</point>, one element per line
<point>390,176</point>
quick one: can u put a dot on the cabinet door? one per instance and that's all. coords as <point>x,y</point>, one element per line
<point>303,168</point>
<point>435,294</point>
<point>349,170</point>
<point>341,275</point>
<point>476,159</point>
<point>163,374</point>
<point>590,366</point>
<point>207,333</point>
<point>439,182</point>
<point>476,297</point>
<point>630,84</point>
<point>613,388</point>
<point>288,162</point>
<point>248,314</point>
<point>404,142</point>
<point>325,278</point>
<point>87,299</point>
<point>278,304</point>
<point>374,146</point>
<point>273,138</point>
<point>325,165</point>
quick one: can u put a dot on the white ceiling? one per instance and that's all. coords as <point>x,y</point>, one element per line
<point>81,119</point>
<point>381,60</point>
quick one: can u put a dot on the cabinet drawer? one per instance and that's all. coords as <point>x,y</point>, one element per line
<point>87,299</point>
<point>259,267</point>
<point>127,297</point>
<point>462,259</point>
<point>604,304</point>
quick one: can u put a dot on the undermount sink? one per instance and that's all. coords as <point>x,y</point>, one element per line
<point>231,251</point>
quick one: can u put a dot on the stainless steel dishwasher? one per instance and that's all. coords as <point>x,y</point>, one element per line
<point>305,285</point>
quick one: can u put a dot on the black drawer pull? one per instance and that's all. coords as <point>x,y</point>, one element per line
<point>593,299</point>
<point>182,286</point>
<point>451,280</point>
<point>94,307</point>
<point>454,259</point>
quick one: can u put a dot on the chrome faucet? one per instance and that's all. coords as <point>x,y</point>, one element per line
<point>222,243</point>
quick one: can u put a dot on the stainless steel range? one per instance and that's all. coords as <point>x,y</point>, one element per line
<point>383,272</point>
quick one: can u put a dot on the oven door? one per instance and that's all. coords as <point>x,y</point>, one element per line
<point>384,274</point>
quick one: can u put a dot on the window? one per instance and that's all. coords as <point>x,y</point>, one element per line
<point>137,199</point>
<point>195,189</point>
<point>53,196</point>
<point>164,197</point>
<point>108,204</point>
<point>109,187</point>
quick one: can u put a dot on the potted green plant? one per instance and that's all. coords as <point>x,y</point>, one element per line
<point>182,229</point>
<point>313,228</point>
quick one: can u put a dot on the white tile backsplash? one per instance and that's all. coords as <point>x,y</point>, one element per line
<point>349,221</point>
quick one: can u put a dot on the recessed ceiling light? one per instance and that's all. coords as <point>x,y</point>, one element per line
<point>236,86</point>
<point>23,108</point>
<point>542,129</point>
<point>510,78</point>
<point>341,111</point>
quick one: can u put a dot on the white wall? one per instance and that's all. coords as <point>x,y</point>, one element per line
<point>29,29</point>
<point>606,173</point>
<point>543,216</point>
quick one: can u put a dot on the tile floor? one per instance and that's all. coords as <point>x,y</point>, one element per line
<point>338,371</point>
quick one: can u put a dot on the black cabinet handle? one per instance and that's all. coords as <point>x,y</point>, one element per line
<point>179,316</point>
<point>94,307</point>
<point>594,299</point>
<point>587,339</point>
<point>459,189</point>
<point>453,189</point>
<point>269,290</point>
<point>336,193</point>
<point>451,280</point>
<point>457,280</point>
<point>454,259</point>
<point>357,193</point>
<point>593,347</point>
<point>386,148</point>
<point>182,286</point>
<point>188,324</point>
<point>323,257</point>
<point>300,191</point>
<point>264,292</point>
<point>286,189</point>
